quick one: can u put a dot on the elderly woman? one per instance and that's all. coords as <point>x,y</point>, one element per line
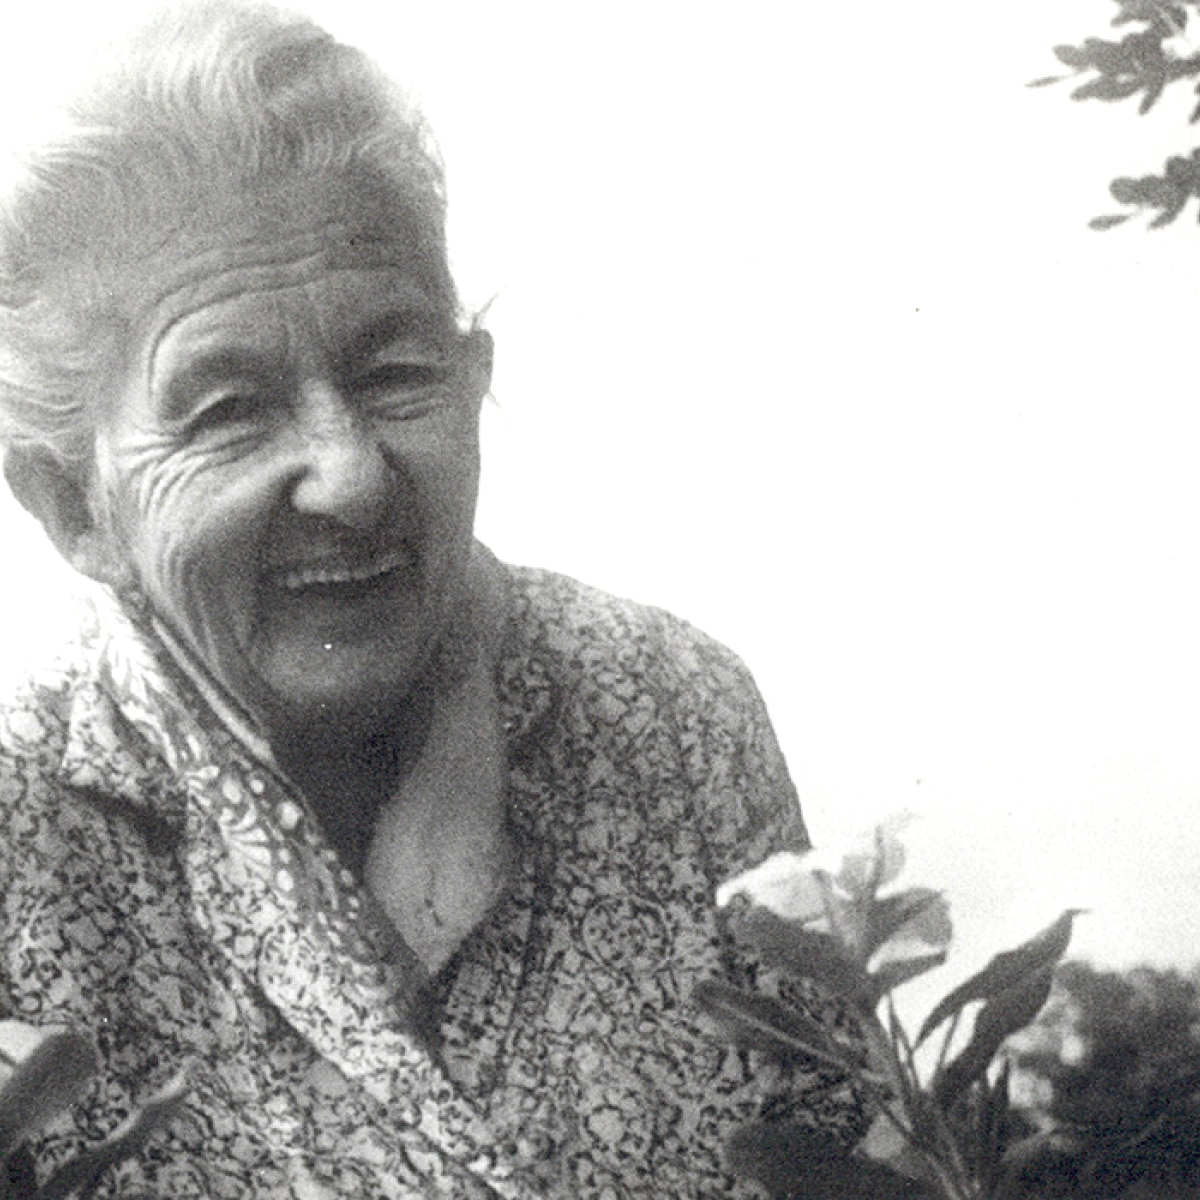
<point>405,856</point>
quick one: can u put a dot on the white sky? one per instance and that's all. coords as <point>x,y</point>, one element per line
<point>801,333</point>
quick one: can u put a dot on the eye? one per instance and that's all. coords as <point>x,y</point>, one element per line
<point>225,408</point>
<point>403,374</point>
<point>405,380</point>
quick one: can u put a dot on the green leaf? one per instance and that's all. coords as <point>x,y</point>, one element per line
<point>801,1163</point>
<point>45,1084</point>
<point>921,913</point>
<point>1046,80</point>
<point>904,1086</point>
<point>910,1085</point>
<point>1126,190</point>
<point>993,1118</point>
<point>757,1022</point>
<point>1153,95</point>
<point>778,1154</point>
<point>1039,1157</point>
<point>1169,214</point>
<point>891,975</point>
<point>1106,88</point>
<point>803,952</point>
<point>875,860</point>
<point>80,1174</point>
<point>18,1174</point>
<point>1071,56</point>
<point>1010,1010</point>
<point>1005,971</point>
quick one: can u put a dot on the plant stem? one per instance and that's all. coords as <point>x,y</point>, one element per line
<point>939,1156</point>
<point>831,913</point>
<point>944,1052</point>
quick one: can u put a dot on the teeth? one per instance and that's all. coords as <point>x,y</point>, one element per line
<point>327,573</point>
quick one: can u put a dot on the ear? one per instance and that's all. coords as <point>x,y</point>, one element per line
<point>57,497</point>
<point>479,354</point>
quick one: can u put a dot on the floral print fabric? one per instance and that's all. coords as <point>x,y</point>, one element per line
<point>167,890</point>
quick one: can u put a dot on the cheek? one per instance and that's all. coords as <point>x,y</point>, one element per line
<point>174,515</point>
<point>448,465</point>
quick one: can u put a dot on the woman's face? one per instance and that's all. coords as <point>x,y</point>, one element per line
<point>289,465</point>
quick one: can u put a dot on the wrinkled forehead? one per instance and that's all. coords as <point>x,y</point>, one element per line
<point>259,242</point>
<point>336,274</point>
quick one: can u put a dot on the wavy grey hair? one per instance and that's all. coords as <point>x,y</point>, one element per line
<point>210,102</point>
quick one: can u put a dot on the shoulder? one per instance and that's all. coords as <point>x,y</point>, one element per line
<point>87,873</point>
<point>34,722</point>
<point>69,765</point>
<point>629,692</point>
<point>585,631</point>
<point>35,716</point>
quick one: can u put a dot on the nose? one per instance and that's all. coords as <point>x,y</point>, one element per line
<point>343,473</point>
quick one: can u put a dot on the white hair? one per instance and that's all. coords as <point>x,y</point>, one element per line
<point>209,101</point>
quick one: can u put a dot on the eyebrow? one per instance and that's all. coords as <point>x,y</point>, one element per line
<point>182,388</point>
<point>406,321</point>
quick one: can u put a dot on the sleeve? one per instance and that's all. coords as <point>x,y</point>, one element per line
<point>744,798</point>
<point>12,787</point>
<point>748,809</point>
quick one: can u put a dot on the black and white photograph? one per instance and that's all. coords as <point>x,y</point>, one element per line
<point>601,601</point>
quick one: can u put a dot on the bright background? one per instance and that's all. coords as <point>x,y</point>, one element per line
<point>801,334</point>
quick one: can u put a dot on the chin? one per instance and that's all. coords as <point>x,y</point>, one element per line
<point>316,707</point>
<point>300,687</point>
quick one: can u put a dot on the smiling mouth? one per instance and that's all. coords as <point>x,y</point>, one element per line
<point>331,574</point>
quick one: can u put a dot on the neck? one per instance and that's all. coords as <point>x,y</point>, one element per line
<point>349,770</point>
<point>440,855</point>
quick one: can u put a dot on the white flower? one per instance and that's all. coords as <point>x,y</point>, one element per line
<point>18,1041</point>
<point>837,893</point>
<point>788,884</point>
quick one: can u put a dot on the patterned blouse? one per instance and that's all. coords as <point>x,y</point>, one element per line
<point>167,891</point>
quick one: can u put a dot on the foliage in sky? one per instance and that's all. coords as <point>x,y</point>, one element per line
<point>1115,1060</point>
<point>1156,45</point>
